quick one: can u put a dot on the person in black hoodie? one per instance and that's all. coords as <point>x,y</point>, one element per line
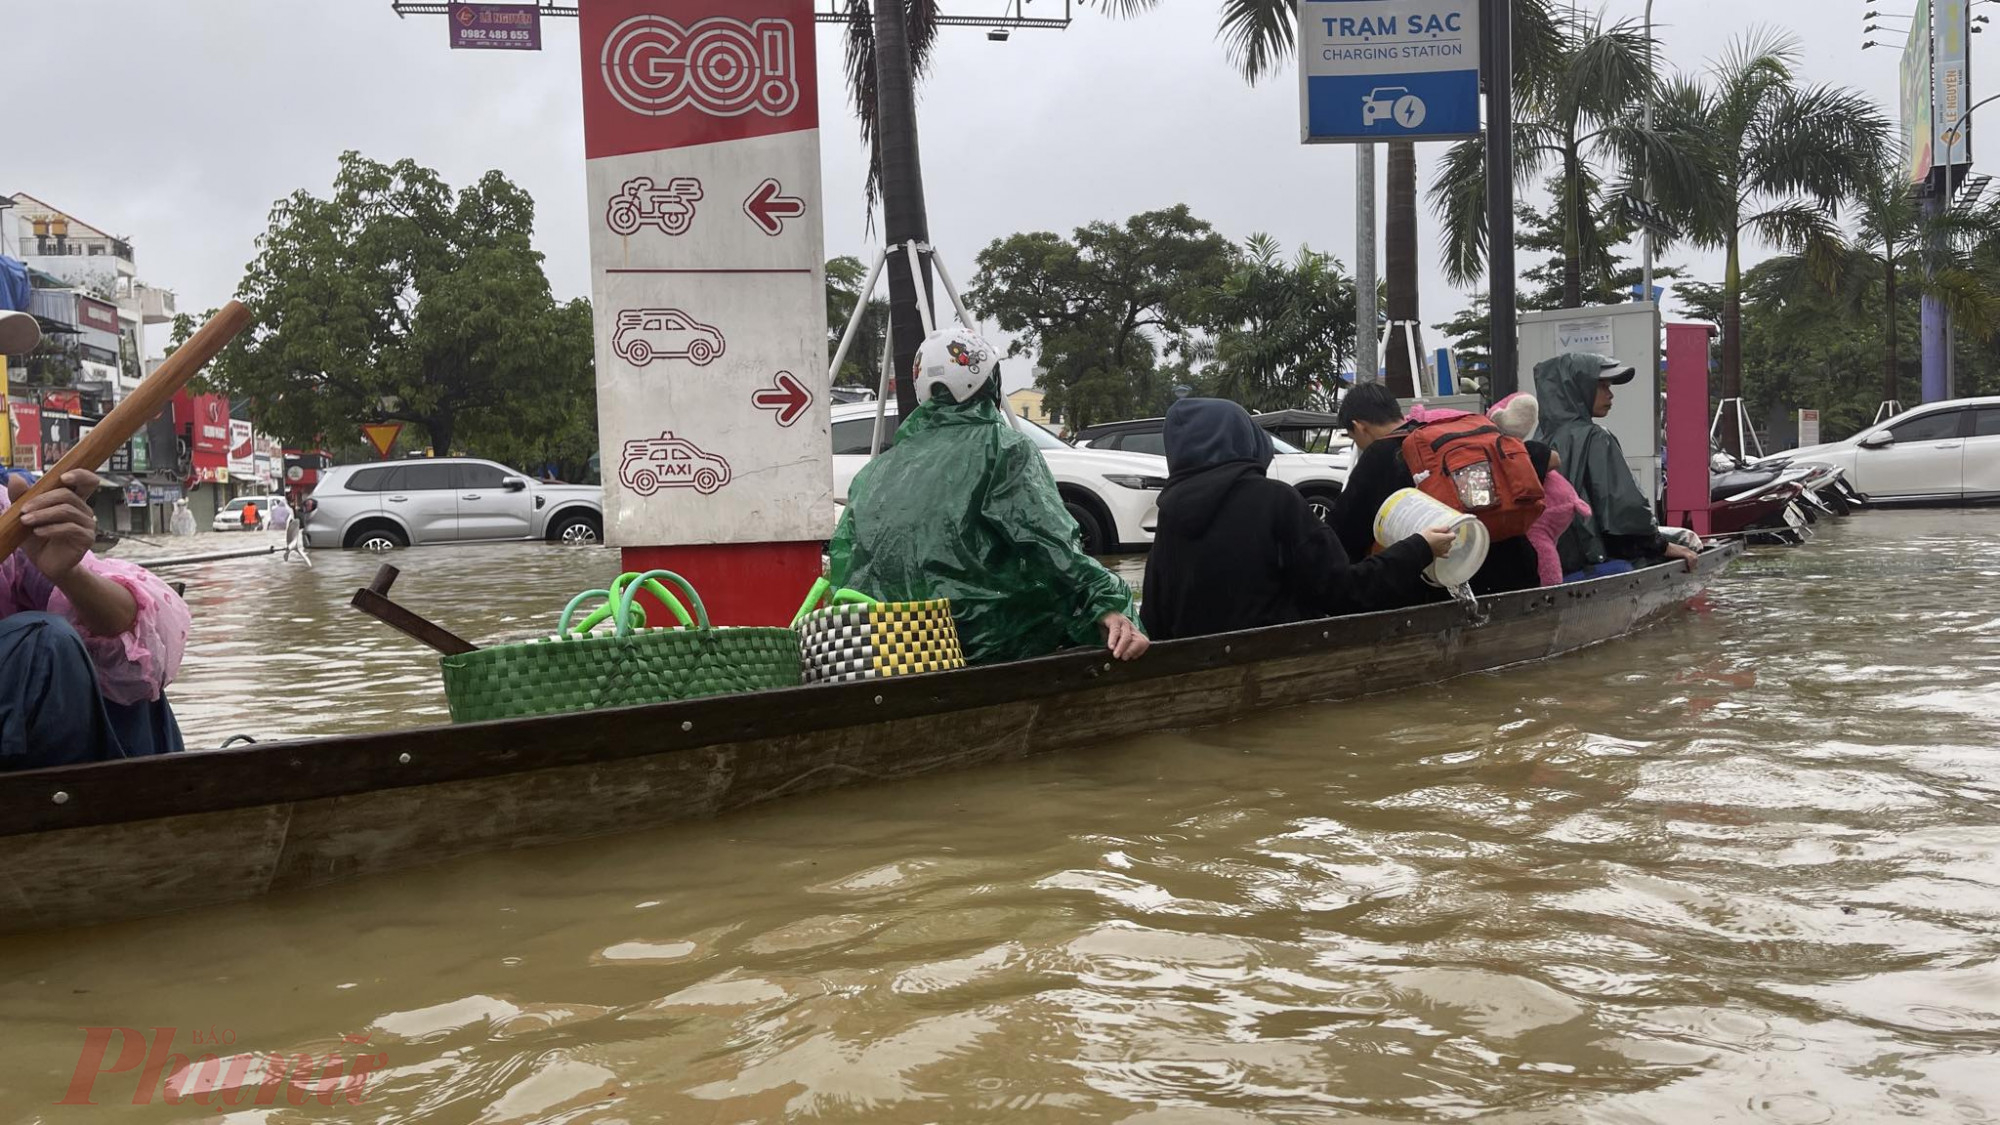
<point>1237,550</point>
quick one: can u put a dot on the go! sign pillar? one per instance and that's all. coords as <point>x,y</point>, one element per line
<point>701,132</point>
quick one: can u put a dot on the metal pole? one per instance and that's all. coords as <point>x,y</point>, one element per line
<point>1367,350</point>
<point>1499,38</point>
<point>1647,291</point>
<point>854,321</point>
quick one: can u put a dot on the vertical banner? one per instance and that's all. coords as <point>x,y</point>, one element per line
<point>701,128</point>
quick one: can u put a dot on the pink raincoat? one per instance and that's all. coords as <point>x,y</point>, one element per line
<point>132,667</point>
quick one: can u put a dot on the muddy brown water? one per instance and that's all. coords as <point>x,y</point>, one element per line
<point>1744,867</point>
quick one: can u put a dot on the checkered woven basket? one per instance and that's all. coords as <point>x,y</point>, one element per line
<point>854,637</point>
<point>575,671</point>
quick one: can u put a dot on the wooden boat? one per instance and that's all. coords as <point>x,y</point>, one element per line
<point>117,840</point>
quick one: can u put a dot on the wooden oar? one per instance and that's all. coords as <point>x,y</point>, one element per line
<point>373,600</point>
<point>131,416</point>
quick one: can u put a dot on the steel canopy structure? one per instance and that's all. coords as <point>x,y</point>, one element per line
<point>825,11</point>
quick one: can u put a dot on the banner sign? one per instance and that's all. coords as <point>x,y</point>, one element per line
<point>1950,69</point>
<point>27,445</point>
<point>701,128</point>
<point>1388,70</point>
<point>496,27</point>
<point>1808,428</point>
<point>1918,90</point>
<point>242,446</point>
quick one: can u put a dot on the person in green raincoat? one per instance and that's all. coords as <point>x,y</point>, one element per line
<point>1620,534</point>
<point>963,507</point>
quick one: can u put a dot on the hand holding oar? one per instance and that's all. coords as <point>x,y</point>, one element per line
<point>130,416</point>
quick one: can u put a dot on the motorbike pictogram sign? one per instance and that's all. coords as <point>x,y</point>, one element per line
<point>640,204</point>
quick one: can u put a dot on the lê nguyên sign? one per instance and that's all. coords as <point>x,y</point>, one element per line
<point>496,27</point>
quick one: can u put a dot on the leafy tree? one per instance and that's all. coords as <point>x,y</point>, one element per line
<point>1283,330</point>
<point>1606,278</point>
<point>1780,157</point>
<point>1101,310</point>
<point>863,365</point>
<point>394,299</point>
<point>1580,115</point>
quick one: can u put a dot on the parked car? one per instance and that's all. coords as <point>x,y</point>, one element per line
<point>1942,453</point>
<point>230,516</point>
<point>1114,497</point>
<point>1319,477</point>
<point>446,500</point>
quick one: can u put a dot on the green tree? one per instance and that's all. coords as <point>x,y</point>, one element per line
<point>1261,37</point>
<point>863,365</point>
<point>1282,329</point>
<point>395,299</point>
<point>1883,263</point>
<point>1607,278</point>
<point>1580,116</point>
<point>1780,158</point>
<point>1102,310</point>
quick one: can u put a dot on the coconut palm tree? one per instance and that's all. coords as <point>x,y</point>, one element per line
<point>1261,37</point>
<point>1582,116</point>
<point>889,46</point>
<point>1781,158</point>
<point>1887,256</point>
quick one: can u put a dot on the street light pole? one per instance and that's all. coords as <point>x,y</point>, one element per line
<point>1651,81</point>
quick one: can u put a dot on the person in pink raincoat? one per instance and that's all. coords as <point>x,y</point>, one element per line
<point>1518,415</point>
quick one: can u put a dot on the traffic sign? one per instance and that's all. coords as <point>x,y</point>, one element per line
<point>1373,70</point>
<point>701,132</point>
<point>382,436</point>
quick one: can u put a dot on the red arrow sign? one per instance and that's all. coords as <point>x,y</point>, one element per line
<point>788,399</point>
<point>769,208</point>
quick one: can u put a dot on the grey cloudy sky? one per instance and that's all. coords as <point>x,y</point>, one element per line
<point>178,122</point>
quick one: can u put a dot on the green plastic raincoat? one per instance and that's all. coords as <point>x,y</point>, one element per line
<point>1593,461</point>
<point>963,507</point>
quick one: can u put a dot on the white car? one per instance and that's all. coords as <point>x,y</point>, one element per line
<point>1114,497</point>
<point>1943,453</point>
<point>230,516</point>
<point>1319,477</point>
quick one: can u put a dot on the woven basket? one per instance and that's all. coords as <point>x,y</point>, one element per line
<point>575,671</point>
<point>855,637</point>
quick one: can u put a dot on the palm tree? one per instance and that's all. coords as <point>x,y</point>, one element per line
<point>1893,237</point>
<point>1780,158</point>
<point>1282,329</point>
<point>889,45</point>
<point>1582,116</point>
<point>1261,36</point>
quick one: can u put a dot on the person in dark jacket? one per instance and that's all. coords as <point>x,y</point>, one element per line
<point>1237,550</point>
<point>1373,417</point>
<point>1620,534</point>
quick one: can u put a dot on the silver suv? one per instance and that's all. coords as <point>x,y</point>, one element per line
<point>446,500</point>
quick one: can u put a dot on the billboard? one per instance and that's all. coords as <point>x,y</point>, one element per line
<point>495,27</point>
<point>1951,69</point>
<point>1388,70</point>
<point>1919,130</point>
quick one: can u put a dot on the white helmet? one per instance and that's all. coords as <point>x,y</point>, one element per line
<point>958,361</point>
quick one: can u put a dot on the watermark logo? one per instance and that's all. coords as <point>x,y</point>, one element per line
<point>109,1054</point>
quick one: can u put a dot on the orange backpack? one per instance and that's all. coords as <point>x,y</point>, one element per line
<point>1469,464</point>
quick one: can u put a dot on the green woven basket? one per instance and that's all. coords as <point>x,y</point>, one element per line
<point>575,671</point>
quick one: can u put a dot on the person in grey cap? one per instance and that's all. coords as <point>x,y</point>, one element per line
<point>1620,534</point>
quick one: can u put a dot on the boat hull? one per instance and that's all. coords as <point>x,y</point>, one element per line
<point>111,841</point>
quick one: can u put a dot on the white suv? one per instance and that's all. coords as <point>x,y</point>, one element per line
<point>1319,477</point>
<point>393,504</point>
<point>1114,497</point>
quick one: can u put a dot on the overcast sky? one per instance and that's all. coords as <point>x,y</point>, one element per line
<point>178,122</point>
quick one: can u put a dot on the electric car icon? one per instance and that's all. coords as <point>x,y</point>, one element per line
<point>640,204</point>
<point>1392,103</point>
<point>651,464</point>
<point>644,335</point>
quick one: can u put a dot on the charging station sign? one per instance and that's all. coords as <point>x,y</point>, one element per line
<point>1388,70</point>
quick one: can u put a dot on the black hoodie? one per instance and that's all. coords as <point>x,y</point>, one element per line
<point>1237,550</point>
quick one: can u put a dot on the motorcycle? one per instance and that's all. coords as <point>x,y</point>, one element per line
<point>1765,503</point>
<point>1826,484</point>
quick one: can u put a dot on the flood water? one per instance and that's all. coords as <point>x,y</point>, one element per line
<point>1744,867</point>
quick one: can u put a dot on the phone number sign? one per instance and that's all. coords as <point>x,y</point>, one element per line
<point>1376,70</point>
<point>495,27</point>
